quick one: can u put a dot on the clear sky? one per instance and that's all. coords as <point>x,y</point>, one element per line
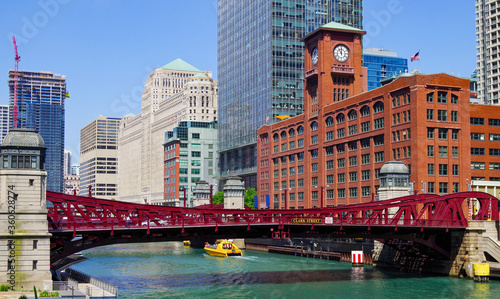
<point>107,48</point>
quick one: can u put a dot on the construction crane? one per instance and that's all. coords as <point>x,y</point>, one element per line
<point>16,83</point>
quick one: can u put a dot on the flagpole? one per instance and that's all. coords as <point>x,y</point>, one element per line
<point>419,61</point>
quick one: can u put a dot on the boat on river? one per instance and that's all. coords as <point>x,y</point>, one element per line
<point>223,248</point>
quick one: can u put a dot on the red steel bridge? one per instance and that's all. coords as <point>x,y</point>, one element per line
<point>77,223</point>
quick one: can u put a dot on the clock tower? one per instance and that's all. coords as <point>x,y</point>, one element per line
<point>333,66</point>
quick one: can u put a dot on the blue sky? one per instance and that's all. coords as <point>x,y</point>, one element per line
<point>106,49</point>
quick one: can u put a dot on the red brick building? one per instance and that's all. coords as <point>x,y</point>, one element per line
<point>332,154</point>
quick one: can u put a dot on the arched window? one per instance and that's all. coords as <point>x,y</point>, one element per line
<point>365,111</point>
<point>329,121</point>
<point>300,130</point>
<point>291,132</point>
<point>352,115</point>
<point>314,126</point>
<point>283,135</point>
<point>340,118</point>
<point>378,107</point>
<point>276,137</point>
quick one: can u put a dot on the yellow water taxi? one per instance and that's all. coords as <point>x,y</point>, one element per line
<point>223,248</point>
<point>187,243</point>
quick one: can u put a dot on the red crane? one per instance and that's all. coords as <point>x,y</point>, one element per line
<point>16,82</point>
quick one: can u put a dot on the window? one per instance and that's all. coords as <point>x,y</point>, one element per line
<point>442,97</point>
<point>477,136</point>
<point>314,167</point>
<point>476,151</point>
<point>283,172</point>
<point>454,100</point>
<point>454,151</point>
<point>353,129</point>
<point>300,183</point>
<point>330,179</point>
<point>314,139</point>
<point>292,170</point>
<point>314,126</point>
<point>276,138</point>
<point>353,192</point>
<point>329,135</point>
<point>378,123</point>
<point>378,107</point>
<point>195,154</point>
<point>430,114</point>
<point>292,145</point>
<point>330,194</point>
<point>35,264</point>
<point>341,193</point>
<point>292,183</point>
<point>378,140</point>
<point>314,153</point>
<point>283,185</point>
<point>352,115</point>
<point>353,145</point>
<point>443,151</point>
<point>365,159</point>
<point>35,244</point>
<point>443,169</point>
<point>195,135</point>
<point>314,181</point>
<point>365,127</point>
<point>340,118</point>
<point>443,187</point>
<point>276,173</point>
<point>430,169</point>
<point>329,121</point>
<point>340,132</point>
<point>341,163</point>
<point>430,187</point>
<point>341,178</point>
<point>430,97</point>
<point>291,133</point>
<point>454,116</point>
<point>283,135</point>
<point>477,165</point>
<point>365,191</point>
<point>314,195</point>
<point>430,151</point>
<point>442,115</point>
<point>493,122</point>
<point>276,149</point>
<point>365,175</point>
<point>379,157</point>
<point>365,143</point>
<point>493,152</point>
<point>455,169</point>
<point>300,143</point>
<point>329,150</point>
<point>477,121</point>
<point>300,169</point>
<point>300,130</point>
<point>330,164</point>
<point>443,134</point>
<point>353,161</point>
<point>494,137</point>
<point>430,133</point>
<point>276,185</point>
<point>454,134</point>
<point>494,166</point>
<point>340,148</point>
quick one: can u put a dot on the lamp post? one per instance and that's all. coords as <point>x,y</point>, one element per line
<point>211,197</point>
<point>185,199</point>
<point>321,195</point>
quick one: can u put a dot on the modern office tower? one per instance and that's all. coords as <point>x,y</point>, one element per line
<point>381,64</point>
<point>40,102</point>
<point>67,162</point>
<point>487,51</point>
<point>261,69</point>
<point>75,169</point>
<point>4,121</point>
<point>175,92</point>
<point>99,157</point>
<point>190,155</point>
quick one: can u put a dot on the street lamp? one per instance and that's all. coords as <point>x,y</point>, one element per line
<point>185,199</point>
<point>286,204</point>
<point>321,196</point>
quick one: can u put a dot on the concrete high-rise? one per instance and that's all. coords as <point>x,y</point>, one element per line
<point>99,157</point>
<point>488,51</point>
<point>40,102</point>
<point>4,121</point>
<point>67,162</point>
<point>175,92</point>
<point>261,69</point>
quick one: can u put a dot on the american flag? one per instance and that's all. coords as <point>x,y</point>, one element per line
<point>267,119</point>
<point>416,56</point>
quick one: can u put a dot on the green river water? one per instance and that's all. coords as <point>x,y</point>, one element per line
<point>170,270</point>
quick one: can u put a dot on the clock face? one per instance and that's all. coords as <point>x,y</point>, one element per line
<point>341,53</point>
<point>314,56</point>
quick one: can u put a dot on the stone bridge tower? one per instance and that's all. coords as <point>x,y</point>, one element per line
<point>24,236</point>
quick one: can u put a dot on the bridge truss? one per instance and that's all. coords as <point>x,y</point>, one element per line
<point>78,223</point>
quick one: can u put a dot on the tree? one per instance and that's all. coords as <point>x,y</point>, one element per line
<point>218,198</point>
<point>249,197</point>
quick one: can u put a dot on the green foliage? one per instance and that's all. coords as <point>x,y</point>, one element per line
<point>4,288</point>
<point>23,297</point>
<point>47,294</point>
<point>218,198</point>
<point>249,197</point>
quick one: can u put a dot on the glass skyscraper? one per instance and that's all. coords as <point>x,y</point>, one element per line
<point>40,102</point>
<point>261,69</point>
<point>381,64</point>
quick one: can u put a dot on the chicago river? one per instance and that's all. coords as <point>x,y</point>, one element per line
<point>170,270</point>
